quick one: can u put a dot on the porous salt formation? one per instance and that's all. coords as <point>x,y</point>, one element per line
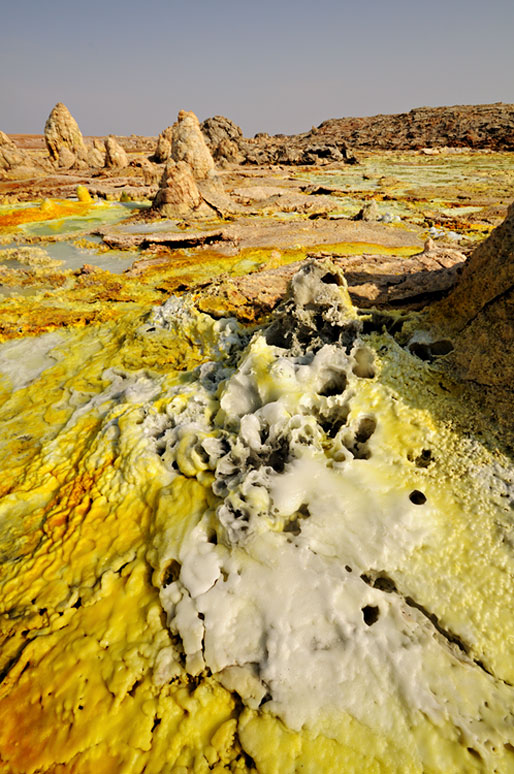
<point>286,589</point>
<point>330,559</point>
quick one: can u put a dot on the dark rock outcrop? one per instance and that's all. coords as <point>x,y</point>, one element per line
<point>463,126</point>
<point>224,139</point>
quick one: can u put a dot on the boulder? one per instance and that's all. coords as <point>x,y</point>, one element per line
<point>62,131</point>
<point>289,155</point>
<point>115,156</point>
<point>229,151</point>
<point>478,315</point>
<point>224,139</point>
<point>188,145</point>
<point>163,149</point>
<point>178,195</point>
<point>369,212</point>
<point>219,128</point>
<point>258,155</point>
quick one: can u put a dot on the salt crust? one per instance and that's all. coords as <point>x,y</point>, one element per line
<point>300,450</point>
<point>23,360</point>
<point>270,591</point>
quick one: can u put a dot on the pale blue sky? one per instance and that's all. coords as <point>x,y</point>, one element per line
<point>128,67</point>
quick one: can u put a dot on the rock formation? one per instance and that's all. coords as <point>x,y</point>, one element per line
<point>62,131</point>
<point>67,159</point>
<point>219,128</point>
<point>115,156</point>
<point>150,173</point>
<point>10,155</point>
<point>475,126</point>
<point>96,154</point>
<point>479,314</point>
<point>178,195</point>
<point>163,149</point>
<point>189,145</point>
<point>224,139</point>
<point>369,212</point>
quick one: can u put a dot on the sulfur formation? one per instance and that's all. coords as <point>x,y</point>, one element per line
<point>269,549</point>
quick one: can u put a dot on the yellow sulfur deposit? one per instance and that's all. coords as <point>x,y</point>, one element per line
<point>230,549</point>
<point>49,209</point>
<point>83,195</point>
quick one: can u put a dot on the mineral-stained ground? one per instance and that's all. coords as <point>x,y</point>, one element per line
<point>257,490</point>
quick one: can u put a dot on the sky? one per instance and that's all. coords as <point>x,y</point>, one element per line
<point>269,65</point>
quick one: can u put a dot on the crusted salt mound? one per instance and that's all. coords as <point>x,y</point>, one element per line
<point>287,588</point>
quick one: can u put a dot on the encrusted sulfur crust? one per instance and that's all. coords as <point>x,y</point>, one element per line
<point>158,470</point>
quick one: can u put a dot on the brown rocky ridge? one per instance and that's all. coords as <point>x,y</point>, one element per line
<point>459,126</point>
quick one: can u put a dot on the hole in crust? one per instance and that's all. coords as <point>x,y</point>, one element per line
<point>171,573</point>
<point>370,614</point>
<point>440,348</point>
<point>417,497</point>
<point>293,527</point>
<point>358,446</point>
<point>332,423</point>
<point>335,385</point>
<point>420,350</point>
<point>381,581</point>
<point>365,430</point>
<point>384,583</point>
<point>278,457</point>
<point>364,365</point>
<point>429,351</point>
<point>331,279</point>
<point>424,459</point>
